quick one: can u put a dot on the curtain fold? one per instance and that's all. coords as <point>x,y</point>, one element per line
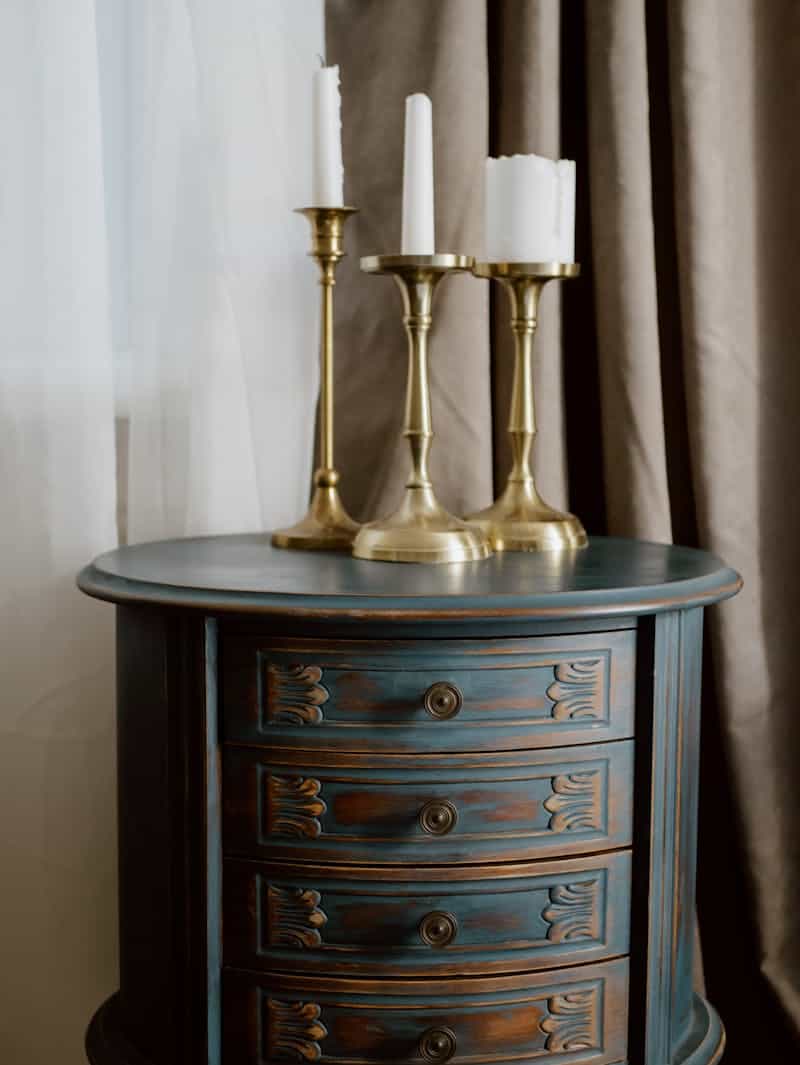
<point>623,258</point>
<point>666,390</point>
<point>733,82</point>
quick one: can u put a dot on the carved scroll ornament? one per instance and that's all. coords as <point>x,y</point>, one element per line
<point>577,691</point>
<point>294,917</point>
<point>572,1022</point>
<point>572,913</point>
<point>575,802</point>
<point>294,1030</point>
<point>294,807</point>
<point>294,694</point>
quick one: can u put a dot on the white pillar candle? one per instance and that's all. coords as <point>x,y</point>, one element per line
<point>566,210</point>
<point>529,210</point>
<point>328,172</point>
<point>418,225</point>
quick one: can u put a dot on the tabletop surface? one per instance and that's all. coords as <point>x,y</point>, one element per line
<point>245,573</point>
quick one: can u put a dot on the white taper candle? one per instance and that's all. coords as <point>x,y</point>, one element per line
<point>328,172</point>
<point>418,215</point>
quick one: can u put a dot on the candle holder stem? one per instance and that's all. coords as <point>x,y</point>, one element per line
<point>327,526</point>
<point>520,520</point>
<point>420,530</point>
<point>327,281</point>
<point>417,295</point>
<point>522,414</point>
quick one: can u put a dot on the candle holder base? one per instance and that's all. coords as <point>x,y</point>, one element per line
<point>326,527</point>
<point>521,521</point>
<point>420,530</point>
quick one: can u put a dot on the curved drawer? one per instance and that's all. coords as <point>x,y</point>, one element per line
<point>435,695</point>
<point>576,1016</point>
<point>452,810</point>
<point>438,921</point>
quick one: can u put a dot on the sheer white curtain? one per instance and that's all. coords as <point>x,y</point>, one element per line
<point>152,277</point>
<point>220,326</point>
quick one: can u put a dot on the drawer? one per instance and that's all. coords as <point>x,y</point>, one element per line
<point>567,1016</point>
<point>440,921</point>
<point>447,809</point>
<point>435,695</point>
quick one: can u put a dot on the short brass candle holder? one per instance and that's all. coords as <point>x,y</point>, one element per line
<point>420,530</point>
<point>327,526</point>
<point>520,520</point>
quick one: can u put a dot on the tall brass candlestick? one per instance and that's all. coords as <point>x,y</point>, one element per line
<point>327,526</point>
<point>420,530</point>
<point>520,520</point>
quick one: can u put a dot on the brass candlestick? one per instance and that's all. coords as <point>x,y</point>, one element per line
<point>327,526</point>
<point>420,530</point>
<point>520,520</point>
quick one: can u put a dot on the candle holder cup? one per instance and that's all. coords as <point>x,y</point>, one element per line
<point>327,526</point>
<point>520,520</point>
<point>420,530</point>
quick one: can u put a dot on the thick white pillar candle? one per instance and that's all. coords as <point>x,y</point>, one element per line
<point>566,210</point>
<point>418,224</point>
<point>328,172</point>
<point>529,210</point>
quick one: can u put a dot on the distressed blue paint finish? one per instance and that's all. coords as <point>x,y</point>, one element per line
<point>316,668</point>
<point>519,694</point>
<point>246,574</point>
<point>558,913</point>
<point>687,776</point>
<point>569,802</point>
<point>704,1040</point>
<point>566,1016</point>
<point>671,1003</point>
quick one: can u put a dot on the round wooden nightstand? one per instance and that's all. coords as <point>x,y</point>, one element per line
<point>387,813</point>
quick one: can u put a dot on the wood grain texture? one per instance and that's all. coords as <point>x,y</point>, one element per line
<point>407,876</point>
<point>672,837</point>
<point>106,1044</point>
<point>370,696</point>
<point>301,919</point>
<point>557,802</point>
<point>568,1016</point>
<point>245,574</point>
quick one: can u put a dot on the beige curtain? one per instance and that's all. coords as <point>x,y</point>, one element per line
<point>668,377</point>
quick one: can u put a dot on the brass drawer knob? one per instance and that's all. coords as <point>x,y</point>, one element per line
<point>437,1045</point>
<point>438,928</point>
<point>443,700</point>
<point>438,817</point>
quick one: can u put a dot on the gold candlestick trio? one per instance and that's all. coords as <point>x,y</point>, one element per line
<point>421,530</point>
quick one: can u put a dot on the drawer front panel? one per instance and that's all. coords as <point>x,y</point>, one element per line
<point>570,1016</point>
<point>436,695</point>
<point>566,805</point>
<point>458,921</point>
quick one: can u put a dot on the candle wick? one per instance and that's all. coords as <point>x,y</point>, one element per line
<point>322,62</point>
